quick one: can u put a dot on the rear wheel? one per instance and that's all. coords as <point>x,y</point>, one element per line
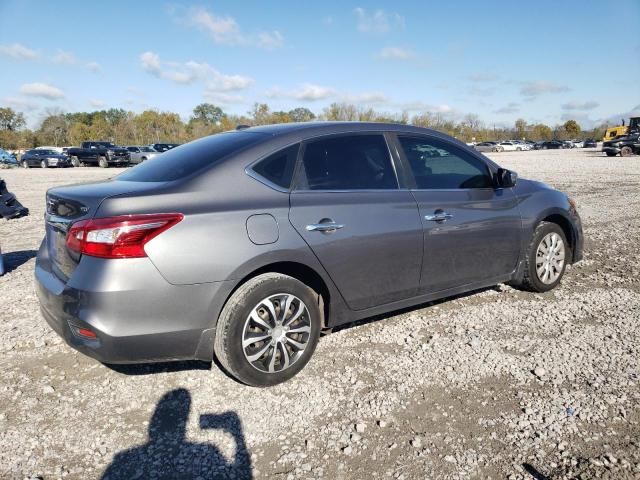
<point>546,258</point>
<point>102,162</point>
<point>626,151</point>
<point>268,330</point>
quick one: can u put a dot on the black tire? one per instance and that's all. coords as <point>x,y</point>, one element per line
<point>75,162</point>
<point>25,164</point>
<point>530,281</point>
<point>43,164</point>
<point>229,331</point>
<point>611,154</point>
<point>626,151</point>
<point>102,162</point>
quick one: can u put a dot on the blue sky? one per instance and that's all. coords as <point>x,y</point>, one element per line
<point>545,61</point>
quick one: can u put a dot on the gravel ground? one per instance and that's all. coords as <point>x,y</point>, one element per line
<point>495,384</point>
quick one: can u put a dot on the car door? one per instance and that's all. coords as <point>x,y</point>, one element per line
<point>471,229</point>
<point>366,232</point>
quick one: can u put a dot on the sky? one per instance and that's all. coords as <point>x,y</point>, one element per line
<point>544,61</point>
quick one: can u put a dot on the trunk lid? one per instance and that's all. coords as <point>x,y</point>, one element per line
<point>70,204</point>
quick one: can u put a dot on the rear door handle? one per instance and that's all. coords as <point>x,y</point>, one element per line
<point>324,227</point>
<point>438,217</point>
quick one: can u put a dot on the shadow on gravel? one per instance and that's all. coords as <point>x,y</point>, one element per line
<point>168,455</point>
<point>531,470</point>
<point>159,367</point>
<point>13,260</point>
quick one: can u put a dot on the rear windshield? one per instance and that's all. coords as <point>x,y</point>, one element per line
<point>186,159</point>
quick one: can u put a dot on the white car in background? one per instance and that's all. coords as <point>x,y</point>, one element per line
<point>55,149</point>
<point>510,146</point>
<point>578,143</point>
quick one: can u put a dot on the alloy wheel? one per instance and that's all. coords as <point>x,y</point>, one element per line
<point>550,258</point>
<point>276,333</point>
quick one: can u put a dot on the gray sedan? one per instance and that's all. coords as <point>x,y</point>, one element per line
<point>245,245</point>
<point>139,154</point>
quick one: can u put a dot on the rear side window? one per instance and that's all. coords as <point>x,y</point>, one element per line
<point>189,158</point>
<point>439,165</point>
<point>278,168</point>
<point>355,162</point>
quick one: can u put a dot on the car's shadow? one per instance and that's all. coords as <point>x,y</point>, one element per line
<point>13,260</point>
<point>168,454</point>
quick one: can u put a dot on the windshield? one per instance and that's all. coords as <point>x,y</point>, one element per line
<point>186,159</point>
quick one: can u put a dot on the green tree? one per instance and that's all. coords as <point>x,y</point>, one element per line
<point>301,114</point>
<point>208,113</point>
<point>542,132</point>
<point>520,128</point>
<point>11,120</point>
<point>572,128</point>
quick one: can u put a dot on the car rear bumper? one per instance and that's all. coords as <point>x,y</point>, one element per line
<point>136,315</point>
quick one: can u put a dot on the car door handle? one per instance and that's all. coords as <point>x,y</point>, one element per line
<point>438,217</point>
<point>324,227</point>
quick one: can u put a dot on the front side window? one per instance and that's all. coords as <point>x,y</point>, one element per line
<point>439,165</point>
<point>355,162</point>
<point>278,167</point>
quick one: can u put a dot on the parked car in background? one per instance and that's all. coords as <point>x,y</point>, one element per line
<point>578,143</point>
<point>163,147</point>
<point>7,158</point>
<point>550,145</point>
<point>487,147</point>
<point>139,154</point>
<point>590,143</point>
<point>313,225</point>
<point>523,145</point>
<point>624,146</point>
<point>509,147</point>
<point>40,157</point>
<point>103,154</point>
<point>52,149</point>
<point>568,144</point>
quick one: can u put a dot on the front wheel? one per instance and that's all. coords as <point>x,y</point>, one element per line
<point>102,162</point>
<point>75,162</point>
<point>25,164</point>
<point>43,164</point>
<point>268,330</point>
<point>546,258</point>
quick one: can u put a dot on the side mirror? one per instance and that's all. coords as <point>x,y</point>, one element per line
<point>506,178</point>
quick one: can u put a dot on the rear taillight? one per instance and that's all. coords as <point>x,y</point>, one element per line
<point>118,237</point>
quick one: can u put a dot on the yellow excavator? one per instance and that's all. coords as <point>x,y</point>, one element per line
<point>613,132</point>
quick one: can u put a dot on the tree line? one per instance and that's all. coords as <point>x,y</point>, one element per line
<point>152,126</point>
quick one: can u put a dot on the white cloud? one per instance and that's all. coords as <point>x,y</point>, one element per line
<point>93,67</point>
<point>64,58</point>
<point>15,50</point>
<point>378,21</point>
<point>589,105</point>
<point>219,97</point>
<point>366,98</point>
<point>150,62</point>
<point>19,103</point>
<point>306,92</point>
<point>44,90</point>
<point>533,89</point>
<point>509,108</point>
<point>396,53</point>
<point>226,31</point>
<point>419,105</point>
<point>95,103</point>
<point>483,77</point>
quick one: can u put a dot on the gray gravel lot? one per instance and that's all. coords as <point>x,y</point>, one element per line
<point>499,383</point>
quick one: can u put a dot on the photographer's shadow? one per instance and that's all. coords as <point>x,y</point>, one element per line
<point>168,455</point>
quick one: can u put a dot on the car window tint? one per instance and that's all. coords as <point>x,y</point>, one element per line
<point>278,168</point>
<point>437,164</point>
<point>187,159</point>
<point>355,162</point>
